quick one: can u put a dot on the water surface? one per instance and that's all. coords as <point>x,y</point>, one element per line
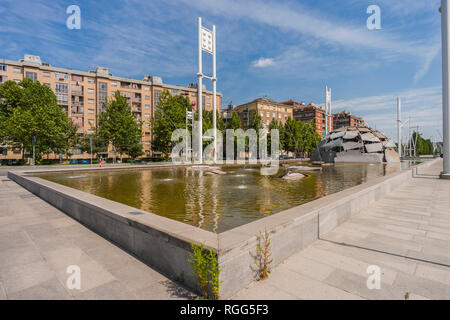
<point>217,202</point>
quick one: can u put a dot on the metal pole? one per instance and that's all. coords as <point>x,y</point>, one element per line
<point>200,93</point>
<point>214,80</point>
<point>409,136</point>
<point>34,142</point>
<point>90,142</point>
<point>445,87</point>
<point>399,127</point>
<point>326,110</point>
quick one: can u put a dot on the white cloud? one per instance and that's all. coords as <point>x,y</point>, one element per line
<point>263,62</point>
<point>423,106</point>
<point>330,31</point>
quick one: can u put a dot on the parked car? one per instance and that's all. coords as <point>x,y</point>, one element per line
<point>84,161</point>
<point>74,161</point>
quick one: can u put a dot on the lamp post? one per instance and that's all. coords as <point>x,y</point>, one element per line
<point>34,143</point>
<point>399,127</point>
<point>207,43</point>
<point>445,28</point>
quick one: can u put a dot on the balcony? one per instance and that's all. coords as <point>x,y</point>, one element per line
<point>77,90</point>
<point>77,110</point>
<point>136,109</point>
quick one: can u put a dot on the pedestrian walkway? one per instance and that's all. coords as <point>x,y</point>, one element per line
<point>38,243</point>
<point>406,234</point>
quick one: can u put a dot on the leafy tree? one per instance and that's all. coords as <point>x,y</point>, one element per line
<point>170,115</point>
<point>99,144</point>
<point>29,109</point>
<point>274,124</point>
<point>255,122</point>
<point>235,122</point>
<point>119,126</point>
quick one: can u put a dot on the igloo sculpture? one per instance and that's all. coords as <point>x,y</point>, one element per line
<point>355,144</point>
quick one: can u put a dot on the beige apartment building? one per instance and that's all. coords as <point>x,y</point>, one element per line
<point>82,95</point>
<point>268,110</point>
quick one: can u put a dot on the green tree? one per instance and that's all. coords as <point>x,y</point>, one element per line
<point>169,116</point>
<point>119,126</point>
<point>99,145</point>
<point>235,122</point>
<point>29,109</point>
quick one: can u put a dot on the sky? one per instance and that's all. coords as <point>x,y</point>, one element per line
<point>279,49</point>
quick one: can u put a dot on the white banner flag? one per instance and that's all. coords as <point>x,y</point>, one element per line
<point>207,40</point>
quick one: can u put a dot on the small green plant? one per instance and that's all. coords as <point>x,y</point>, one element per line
<point>206,267</point>
<point>263,255</point>
<point>407,296</point>
<point>214,273</point>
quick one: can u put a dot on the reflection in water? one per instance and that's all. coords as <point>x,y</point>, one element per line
<point>218,202</point>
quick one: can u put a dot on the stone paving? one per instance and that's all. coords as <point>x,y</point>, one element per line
<point>38,243</point>
<point>406,234</point>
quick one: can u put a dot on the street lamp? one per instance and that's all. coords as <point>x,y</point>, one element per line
<point>445,29</point>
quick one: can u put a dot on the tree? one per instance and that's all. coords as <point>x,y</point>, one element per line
<point>99,145</point>
<point>169,116</point>
<point>119,126</point>
<point>235,122</point>
<point>255,122</point>
<point>29,109</point>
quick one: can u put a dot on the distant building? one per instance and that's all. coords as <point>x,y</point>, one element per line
<point>346,119</point>
<point>268,110</point>
<point>310,112</point>
<point>82,95</point>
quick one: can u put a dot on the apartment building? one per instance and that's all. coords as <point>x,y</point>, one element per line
<point>267,108</point>
<point>311,112</point>
<point>82,94</point>
<point>346,119</point>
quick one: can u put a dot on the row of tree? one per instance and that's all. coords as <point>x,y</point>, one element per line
<point>29,112</point>
<point>295,136</point>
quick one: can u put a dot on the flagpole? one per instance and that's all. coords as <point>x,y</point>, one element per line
<point>200,93</point>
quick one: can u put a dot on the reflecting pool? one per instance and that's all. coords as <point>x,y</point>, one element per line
<point>218,202</point>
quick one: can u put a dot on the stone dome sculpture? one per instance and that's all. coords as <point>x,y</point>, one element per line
<point>355,144</point>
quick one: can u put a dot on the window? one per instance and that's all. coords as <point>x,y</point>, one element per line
<point>3,79</point>
<point>147,133</point>
<point>31,75</point>
<point>91,80</point>
<point>48,84</point>
<point>90,90</point>
<point>147,97</point>
<point>90,100</point>
<point>113,84</point>
<point>3,67</point>
<point>46,74</point>
<point>61,76</point>
<point>146,88</point>
<point>174,91</point>
<point>61,87</point>
<point>17,70</point>
<point>91,122</point>
<point>91,111</point>
<point>62,98</point>
<point>147,115</point>
<point>147,106</point>
<point>157,95</point>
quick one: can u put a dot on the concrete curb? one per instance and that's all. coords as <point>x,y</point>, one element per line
<point>165,243</point>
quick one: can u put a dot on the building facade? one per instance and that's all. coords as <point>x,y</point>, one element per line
<point>268,110</point>
<point>82,95</point>
<point>346,119</point>
<point>311,112</point>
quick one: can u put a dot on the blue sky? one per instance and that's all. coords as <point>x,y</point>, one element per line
<point>279,49</point>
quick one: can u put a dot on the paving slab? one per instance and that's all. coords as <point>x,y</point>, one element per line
<point>406,233</point>
<point>38,242</point>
